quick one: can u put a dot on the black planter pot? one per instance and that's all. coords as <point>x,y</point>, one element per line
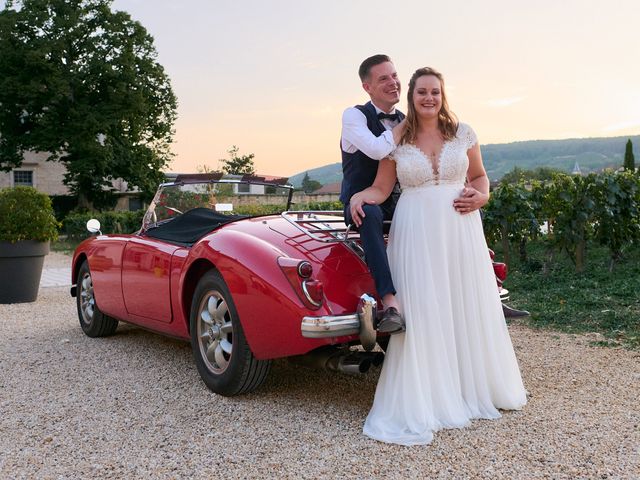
<point>20,270</point>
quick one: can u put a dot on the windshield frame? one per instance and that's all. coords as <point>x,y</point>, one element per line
<point>211,179</point>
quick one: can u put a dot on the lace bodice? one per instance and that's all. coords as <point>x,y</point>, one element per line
<point>414,168</point>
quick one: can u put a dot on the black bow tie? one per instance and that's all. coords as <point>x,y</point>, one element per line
<point>389,116</point>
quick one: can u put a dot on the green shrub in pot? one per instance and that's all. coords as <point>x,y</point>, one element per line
<point>27,225</point>
<point>26,214</point>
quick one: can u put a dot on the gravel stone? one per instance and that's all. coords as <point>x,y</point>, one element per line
<point>133,406</point>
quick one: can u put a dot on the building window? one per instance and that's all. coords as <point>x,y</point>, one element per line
<point>23,177</point>
<point>135,204</point>
<point>244,188</point>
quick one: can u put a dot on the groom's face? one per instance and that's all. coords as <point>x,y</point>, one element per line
<point>383,85</point>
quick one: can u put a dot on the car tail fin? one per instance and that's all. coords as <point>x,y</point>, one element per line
<point>299,273</point>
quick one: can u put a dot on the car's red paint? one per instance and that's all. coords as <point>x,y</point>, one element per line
<point>149,282</point>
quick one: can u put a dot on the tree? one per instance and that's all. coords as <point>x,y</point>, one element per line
<point>509,217</point>
<point>237,165</point>
<point>309,185</point>
<point>629,160</point>
<point>82,83</point>
<point>538,173</point>
<point>617,198</point>
<point>569,205</point>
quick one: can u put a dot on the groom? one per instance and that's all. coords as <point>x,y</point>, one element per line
<point>366,139</point>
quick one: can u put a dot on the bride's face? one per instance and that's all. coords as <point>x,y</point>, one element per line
<point>427,96</point>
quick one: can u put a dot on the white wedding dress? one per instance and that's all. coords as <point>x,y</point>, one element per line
<point>455,362</point>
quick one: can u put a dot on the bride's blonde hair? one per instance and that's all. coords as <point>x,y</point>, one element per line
<point>447,121</point>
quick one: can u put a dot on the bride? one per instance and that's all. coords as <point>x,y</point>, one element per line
<point>455,362</point>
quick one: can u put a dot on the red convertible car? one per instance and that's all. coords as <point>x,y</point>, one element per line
<point>242,288</point>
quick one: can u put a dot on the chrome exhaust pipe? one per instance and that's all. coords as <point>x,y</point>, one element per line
<point>336,360</point>
<point>353,364</point>
<point>376,358</point>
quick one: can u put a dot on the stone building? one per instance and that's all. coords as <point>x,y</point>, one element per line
<point>47,177</point>
<point>36,172</point>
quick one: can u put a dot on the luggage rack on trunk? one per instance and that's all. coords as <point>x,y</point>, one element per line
<point>322,225</point>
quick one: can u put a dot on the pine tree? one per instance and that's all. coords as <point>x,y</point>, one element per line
<point>629,160</point>
<point>309,185</point>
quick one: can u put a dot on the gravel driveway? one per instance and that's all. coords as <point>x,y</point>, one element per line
<point>132,405</point>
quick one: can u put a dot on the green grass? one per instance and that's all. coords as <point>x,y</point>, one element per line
<point>594,301</point>
<point>65,245</point>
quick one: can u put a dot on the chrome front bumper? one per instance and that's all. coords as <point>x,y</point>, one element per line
<point>360,323</point>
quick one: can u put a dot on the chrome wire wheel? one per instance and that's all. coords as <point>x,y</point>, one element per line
<point>87,299</point>
<point>215,331</point>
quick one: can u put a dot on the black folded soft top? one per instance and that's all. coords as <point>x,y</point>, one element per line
<point>191,226</point>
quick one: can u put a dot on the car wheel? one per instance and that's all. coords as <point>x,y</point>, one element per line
<point>220,349</point>
<point>94,323</point>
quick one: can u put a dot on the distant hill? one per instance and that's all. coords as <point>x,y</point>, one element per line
<point>592,154</point>
<point>328,174</point>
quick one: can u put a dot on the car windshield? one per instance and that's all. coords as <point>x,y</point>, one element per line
<point>225,194</point>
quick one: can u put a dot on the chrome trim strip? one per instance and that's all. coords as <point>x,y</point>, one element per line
<point>306,294</point>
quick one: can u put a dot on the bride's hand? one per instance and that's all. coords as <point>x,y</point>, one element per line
<point>470,200</point>
<point>355,207</point>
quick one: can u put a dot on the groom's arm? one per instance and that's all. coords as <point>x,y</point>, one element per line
<point>357,136</point>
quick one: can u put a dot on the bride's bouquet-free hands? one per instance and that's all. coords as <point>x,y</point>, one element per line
<point>356,203</point>
<point>470,200</point>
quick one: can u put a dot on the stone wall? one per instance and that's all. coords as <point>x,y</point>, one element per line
<point>299,198</point>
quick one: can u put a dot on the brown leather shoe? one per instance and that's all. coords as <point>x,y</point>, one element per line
<point>391,322</point>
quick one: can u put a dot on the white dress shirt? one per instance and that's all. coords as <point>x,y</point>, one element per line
<point>357,136</point>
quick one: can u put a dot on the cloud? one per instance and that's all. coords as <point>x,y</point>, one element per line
<point>622,126</point>
<point>503,102</point>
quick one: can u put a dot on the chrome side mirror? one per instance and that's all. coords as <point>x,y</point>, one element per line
<point>93,226</point>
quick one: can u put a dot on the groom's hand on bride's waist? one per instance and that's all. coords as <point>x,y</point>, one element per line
<point>470,200</point>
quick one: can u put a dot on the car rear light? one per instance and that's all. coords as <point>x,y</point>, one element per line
<point>299,272</point>
<point>500,270</point>
<point>492,254</point>
<point>305,269</point>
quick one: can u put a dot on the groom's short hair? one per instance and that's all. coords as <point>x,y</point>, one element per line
<point>369,63</point>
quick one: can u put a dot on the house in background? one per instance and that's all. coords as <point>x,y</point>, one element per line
<point>327,193</point>
<point>241,188</point>
<point>329,189</point>
<point>38,173</point>
<point>47,177</point>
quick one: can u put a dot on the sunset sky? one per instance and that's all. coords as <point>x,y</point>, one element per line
<point>273,77</point>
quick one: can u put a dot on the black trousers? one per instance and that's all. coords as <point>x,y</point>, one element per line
<point>371,235</point>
